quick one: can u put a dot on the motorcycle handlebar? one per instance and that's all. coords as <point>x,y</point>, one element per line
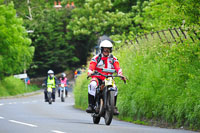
<point>96,73</point>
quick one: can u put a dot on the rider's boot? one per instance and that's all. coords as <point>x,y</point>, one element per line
<point>45,96</point>
<point>58,93</point>
<point>90,108</point>
<point>116,112</point>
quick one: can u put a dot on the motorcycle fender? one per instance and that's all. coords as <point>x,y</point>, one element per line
<point>111,89</point>
<point>62,85</point>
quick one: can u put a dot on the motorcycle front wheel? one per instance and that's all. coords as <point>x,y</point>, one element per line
<point>62,97</point>
<point>109,107</point>
<point>49,97</point>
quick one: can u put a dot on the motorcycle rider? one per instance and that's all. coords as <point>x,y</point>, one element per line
<point>104,60</point>
<point>63,80</point>
<point>50,79</point>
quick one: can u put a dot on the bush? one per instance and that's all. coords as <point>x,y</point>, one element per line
<point>11,86</point>
<point>81,91</point>
<point>3,91</point>
<point>163,83</point>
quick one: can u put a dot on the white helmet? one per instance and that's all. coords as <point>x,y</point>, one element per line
<point>50,72</point>
<point>106,44</point>
<point>63,75</point>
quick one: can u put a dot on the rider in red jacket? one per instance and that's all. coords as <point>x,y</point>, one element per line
<point>104,60</point>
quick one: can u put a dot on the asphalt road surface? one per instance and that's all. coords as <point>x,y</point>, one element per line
<point>31,114</point>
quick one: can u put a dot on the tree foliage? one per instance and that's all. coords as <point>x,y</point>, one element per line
<point>15,50</point>
<point>124,5</point>
<point>161,14</point>
<point>49,38</point>
<point>191,10</point>
<point>77,30</point>
<point>93,20</point>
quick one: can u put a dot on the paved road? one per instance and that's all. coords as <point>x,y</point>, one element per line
<point>32,115</point>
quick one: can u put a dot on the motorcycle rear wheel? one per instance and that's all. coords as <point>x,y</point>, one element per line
<point>96,120</point>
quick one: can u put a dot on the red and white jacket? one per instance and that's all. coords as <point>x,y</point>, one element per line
<point>105,62</point>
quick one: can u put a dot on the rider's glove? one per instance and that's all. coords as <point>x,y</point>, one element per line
<point>120,74</point>
<point>90,72</point>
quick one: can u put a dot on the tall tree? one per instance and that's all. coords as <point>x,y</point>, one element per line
<point>52,49</point>
<point>15,50</point>
<point>93,20</point>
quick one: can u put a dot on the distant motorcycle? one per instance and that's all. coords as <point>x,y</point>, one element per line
<point>62,92</point>
<point>104,98</point>
<point>49,92</point>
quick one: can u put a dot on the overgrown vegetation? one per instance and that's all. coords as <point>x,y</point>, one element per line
<point>80,91</point>
<point>11,86</point>
<point>163,84</point>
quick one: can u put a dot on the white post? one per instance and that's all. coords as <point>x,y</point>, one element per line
<point>29,10</point>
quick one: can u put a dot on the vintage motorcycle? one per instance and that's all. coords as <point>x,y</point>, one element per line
<point>104,98</point>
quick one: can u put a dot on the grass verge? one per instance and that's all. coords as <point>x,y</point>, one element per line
<point>11,86</point>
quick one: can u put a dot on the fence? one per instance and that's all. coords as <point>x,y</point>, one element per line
<point>169,35</point>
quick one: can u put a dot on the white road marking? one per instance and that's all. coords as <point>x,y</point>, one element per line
<point>11,103</point>
<point>68,104</point>
<point>1,117</point>
<point>27,124</point>
<point>56,131</point>
<point>25,102</point>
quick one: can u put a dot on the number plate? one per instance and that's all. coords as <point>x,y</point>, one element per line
<point>108,81</point>
<point>49,89</point>
<point>62,85</point>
